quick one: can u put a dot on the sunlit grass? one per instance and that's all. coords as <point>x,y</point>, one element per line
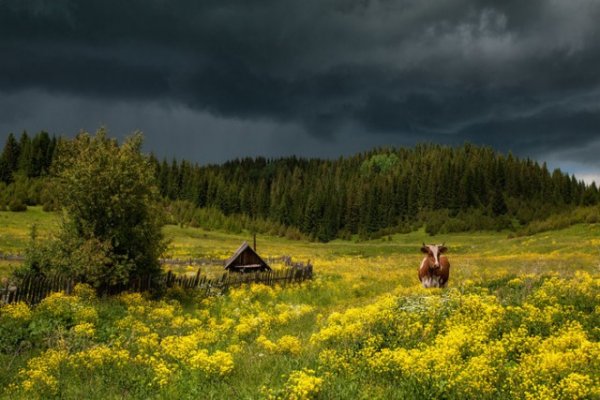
<point>16,227</point>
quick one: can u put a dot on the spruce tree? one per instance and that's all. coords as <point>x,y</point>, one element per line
<point>9,160</point>
<point>26,155</point>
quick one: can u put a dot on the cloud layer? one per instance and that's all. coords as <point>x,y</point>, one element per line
<point>521,76</point>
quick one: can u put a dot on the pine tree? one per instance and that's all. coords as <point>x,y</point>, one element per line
<point>498,203</point>
<point>9,160</point>
<point>163,178</point>
<point>26,164</point>
<point>39,152</point>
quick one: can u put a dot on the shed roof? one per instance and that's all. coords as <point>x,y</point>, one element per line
<point>244,247</point>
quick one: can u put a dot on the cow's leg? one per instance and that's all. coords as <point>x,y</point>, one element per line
<point>428,281</point>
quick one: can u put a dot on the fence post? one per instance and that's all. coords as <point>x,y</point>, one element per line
<point>5,293</point>
<point>197,279</point>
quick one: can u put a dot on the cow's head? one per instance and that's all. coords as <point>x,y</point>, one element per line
<point>434,251</point>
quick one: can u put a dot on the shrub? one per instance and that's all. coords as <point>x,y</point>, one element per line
<point>17,205</point>
<point>112,230</point>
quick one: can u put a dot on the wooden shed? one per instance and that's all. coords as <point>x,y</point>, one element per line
<point>245,259</point>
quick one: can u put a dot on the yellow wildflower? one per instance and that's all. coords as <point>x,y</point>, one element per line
<point>303,385</point>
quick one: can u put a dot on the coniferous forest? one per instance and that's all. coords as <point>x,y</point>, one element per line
<point>371,194</point>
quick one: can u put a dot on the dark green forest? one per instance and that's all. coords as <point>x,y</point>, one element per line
<point>371,194</point>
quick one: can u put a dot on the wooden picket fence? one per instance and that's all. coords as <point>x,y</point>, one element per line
<point>218,261</point>
<point>173,261</point>
<point>33,288</point>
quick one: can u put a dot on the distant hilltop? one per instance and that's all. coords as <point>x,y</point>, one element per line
<point>370,194</point>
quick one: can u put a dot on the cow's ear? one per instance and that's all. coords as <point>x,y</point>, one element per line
<point>443,249</point>
<point>425,249</point>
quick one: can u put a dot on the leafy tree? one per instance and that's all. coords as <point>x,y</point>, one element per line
<point>379,163</point>
<point>111,230</point>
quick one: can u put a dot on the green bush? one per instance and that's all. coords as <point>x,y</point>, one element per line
<point>112,230</point>
<point>17,205</point>
<point>563,220</point>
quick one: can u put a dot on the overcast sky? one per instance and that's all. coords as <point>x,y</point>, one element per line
<point>216,79</point>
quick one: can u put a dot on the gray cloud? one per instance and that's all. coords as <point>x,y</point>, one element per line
<point>173,130</point>
<point>521,76</point>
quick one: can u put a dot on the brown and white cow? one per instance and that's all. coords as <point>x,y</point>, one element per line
<point>435,267</point>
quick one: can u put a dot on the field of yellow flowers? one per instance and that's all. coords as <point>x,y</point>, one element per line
<point>519,320</point>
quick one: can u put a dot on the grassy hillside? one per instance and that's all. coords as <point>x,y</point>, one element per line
<point>519,320</point>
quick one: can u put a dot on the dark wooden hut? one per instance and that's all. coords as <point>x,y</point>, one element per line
<point>245,259</point>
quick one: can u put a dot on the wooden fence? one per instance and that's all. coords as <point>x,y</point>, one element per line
<point>174,261</point>
<point>12,257</point>
<point>218,261</point>
<point>33,288</point>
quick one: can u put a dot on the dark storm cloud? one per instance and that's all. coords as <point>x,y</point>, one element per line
<point>521,75</point>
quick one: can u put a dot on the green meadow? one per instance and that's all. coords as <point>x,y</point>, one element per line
<point>519,320</point>
<point>575,247</point>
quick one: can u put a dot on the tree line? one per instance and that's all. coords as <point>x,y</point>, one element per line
<point>381,191</point>
<point>370,194</point>
<point>23,164</point>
